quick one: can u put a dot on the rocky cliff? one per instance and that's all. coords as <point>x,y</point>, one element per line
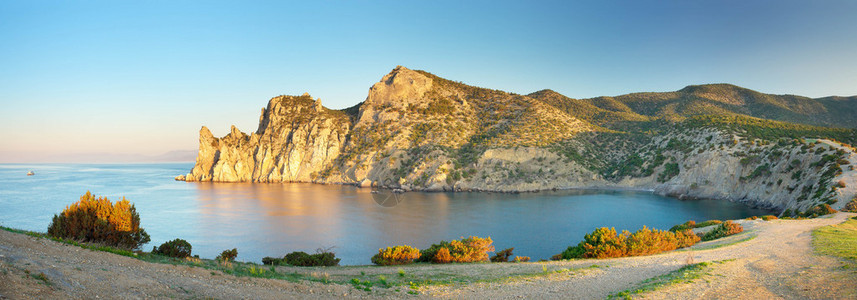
<point>296,139</point>
<point>417,131</point>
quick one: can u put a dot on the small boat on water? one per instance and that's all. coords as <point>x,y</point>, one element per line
<point>31,173</point>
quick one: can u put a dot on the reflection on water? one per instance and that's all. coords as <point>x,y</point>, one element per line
<point>274,219</point>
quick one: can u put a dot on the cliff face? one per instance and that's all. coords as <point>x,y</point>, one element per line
<point>417,131</point>
<point>297,138</point>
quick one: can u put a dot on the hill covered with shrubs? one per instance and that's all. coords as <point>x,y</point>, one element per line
<point>418,131</point>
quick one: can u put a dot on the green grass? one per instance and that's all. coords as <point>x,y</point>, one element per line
<point>686,274</point>
<point>837,240</point>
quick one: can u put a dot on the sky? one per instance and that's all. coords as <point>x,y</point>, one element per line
<point>121,80</point>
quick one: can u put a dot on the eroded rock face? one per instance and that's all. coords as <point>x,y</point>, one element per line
<point>417,131</point>
<point>297,138</point>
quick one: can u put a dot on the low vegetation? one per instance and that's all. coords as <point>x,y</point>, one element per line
<point>227,255</point>
<point>838,240</point>
<point>177,248</point>
<point>851,206</point>
<point>471,249</point>
<point>99,220</point>
<point>723,230</point>
<point>398,255</point>
<point>606,243</point>
<point>322,258</point>
<point>502,256</point>
<point>682,275</point>
<point>692,224</point>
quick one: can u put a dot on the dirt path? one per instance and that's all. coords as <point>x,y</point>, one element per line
<point>73,272</point>
<point>777,263</point>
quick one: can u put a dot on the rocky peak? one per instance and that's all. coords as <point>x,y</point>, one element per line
<point>400,87</point>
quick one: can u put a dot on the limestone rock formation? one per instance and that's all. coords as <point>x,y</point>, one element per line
<point>296,139</point>
<point>418,131</point>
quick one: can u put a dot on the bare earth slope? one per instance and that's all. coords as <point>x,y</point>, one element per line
<point>777,263</point>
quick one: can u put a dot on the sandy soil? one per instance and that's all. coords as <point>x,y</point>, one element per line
<point>777,263</point>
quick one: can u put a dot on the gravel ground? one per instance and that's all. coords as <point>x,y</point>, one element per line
<point>777,263</point>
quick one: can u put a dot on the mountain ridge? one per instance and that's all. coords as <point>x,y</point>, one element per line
<point>418,131</point>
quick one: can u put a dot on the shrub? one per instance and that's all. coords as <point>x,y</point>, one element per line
<point>273,261</point>
<point>471,249</point>
<point>686,238</point>
<point>769,217</point>
<point>398,255</point>
<point>840,184</point>
<point>708,223</point>
<point>686,225</point>
<point>442,256</point>
<point>522,258</point>
<point>228,255</point>
<point>606,243</point>
<point>322,257</point>
<point>428,255</point>
<point>851,206</point>
<point>177,248</point>
<point>724,229</point>
<point>819,210</point>
<point>752,218</point>
<point>692,224</point>
<point>649,241</point>
<point>99,220</point>
<point>502,256</point>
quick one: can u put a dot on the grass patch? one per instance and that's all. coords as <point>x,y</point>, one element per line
<point>837,240</point>
<point>686,274</point>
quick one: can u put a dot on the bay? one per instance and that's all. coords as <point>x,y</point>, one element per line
<point>274,219</point>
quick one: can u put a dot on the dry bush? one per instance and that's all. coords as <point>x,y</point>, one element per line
<point>398,255</point>
<point>769,217</point>
<point>522,258</point>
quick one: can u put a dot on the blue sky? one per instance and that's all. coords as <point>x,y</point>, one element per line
<point>141,77</point>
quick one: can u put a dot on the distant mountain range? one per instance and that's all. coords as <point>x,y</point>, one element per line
<point>418,131</point>
<point>708,99</point>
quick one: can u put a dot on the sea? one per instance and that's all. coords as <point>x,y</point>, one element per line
<point>264,219</point>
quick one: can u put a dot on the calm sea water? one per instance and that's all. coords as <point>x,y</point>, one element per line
<point>274,219</point>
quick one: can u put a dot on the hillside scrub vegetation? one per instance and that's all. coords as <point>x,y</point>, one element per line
<point>99,220</point>
<point>851,206</point>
